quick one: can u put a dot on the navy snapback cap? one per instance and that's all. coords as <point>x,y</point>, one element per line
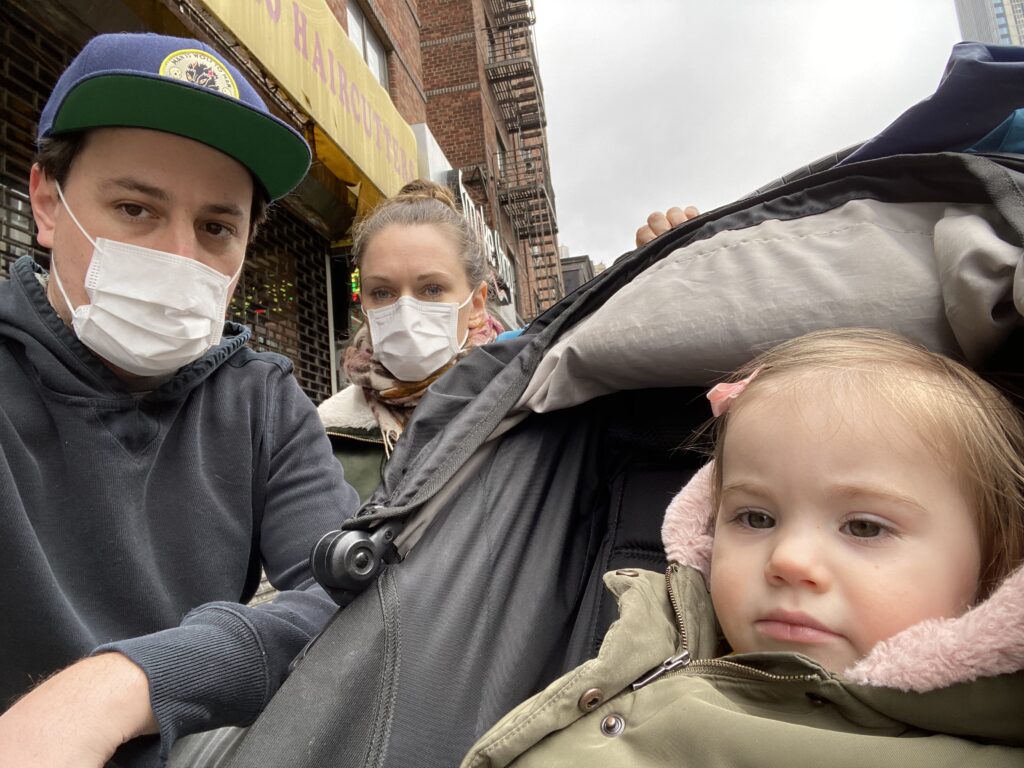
<point>179,86</point>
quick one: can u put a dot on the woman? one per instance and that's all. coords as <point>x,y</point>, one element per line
<point>423,290</point>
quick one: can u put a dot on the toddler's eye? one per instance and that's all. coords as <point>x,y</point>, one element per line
<point>755,519</point>
<point>863,529</point>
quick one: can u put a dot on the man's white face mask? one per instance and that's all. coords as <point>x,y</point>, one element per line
<point>414,338</point>
<point>150,312</point>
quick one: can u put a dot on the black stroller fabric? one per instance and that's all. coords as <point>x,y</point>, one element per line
<point>529,470</point>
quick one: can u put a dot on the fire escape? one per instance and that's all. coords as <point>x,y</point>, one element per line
<point>522,174</point>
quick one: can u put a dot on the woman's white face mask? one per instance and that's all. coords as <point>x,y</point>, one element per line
<point>414,338</point>
<point>149,312</point>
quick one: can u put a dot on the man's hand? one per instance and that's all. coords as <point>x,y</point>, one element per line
<point>659,223</point>
<point>78,717</point>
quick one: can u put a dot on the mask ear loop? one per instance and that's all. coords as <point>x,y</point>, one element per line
<point>64,202</point>
<point>466,337</point>
<point>229,294</point>
<point>469,299</point>
<point>53,262</point>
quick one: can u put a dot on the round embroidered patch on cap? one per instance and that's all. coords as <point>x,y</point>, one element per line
<point>200,68</point>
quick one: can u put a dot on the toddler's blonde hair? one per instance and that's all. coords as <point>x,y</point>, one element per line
<point>972,426</point>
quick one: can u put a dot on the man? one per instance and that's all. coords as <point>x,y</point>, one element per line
<point>150,461</point>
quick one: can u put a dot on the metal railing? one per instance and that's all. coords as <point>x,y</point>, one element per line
<point>512,71</point>
<point>506,13</point>
<point>17,229</point>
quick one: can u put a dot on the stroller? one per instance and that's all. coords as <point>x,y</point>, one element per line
<point>472,576</point>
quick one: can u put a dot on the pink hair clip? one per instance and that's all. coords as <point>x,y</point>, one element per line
<point>722,395</point>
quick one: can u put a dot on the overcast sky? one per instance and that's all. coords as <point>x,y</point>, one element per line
<point>652,103</point>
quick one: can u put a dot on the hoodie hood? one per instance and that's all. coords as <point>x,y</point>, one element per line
<point>65,365</point>
<point>986,641</point>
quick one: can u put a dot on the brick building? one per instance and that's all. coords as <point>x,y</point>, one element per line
<point>356,77</point>
<point>576,271</point>
<point>485,105</point>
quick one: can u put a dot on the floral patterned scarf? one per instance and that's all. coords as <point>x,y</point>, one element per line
<point>392,401</point>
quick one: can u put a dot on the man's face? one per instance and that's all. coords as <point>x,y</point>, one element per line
<point>838,527</point>
<point>146,188</point>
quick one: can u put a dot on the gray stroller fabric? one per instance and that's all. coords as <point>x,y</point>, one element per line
<point>943,274</point>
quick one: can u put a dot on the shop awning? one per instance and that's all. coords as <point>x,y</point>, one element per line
<point>359,135</point>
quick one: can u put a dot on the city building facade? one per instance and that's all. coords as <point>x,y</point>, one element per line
<point>576,270</point>
<point>485,105</point>
<point>350,75</point>
<point>991,21</point>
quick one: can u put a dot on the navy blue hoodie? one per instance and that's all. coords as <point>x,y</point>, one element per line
<point>136,524</point>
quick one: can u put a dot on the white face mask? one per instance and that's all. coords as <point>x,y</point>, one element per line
<point>414,338</point>
<point>150,312</point>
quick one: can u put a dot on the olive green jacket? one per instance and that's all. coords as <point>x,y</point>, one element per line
<point>657,696</point>
<point>356,439</point>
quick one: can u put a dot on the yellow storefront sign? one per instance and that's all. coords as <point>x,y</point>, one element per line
<point>305,48</point>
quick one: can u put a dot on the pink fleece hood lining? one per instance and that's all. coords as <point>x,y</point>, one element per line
<point>986,641</point>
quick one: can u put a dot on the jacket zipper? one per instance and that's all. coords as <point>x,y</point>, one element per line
<point>346,436</point>
<point>668,665</point>
<point>682,661</point>
<point>676,608</point>
<point>750,672</point>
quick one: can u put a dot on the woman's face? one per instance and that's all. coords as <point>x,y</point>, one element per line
<point>422,261</point>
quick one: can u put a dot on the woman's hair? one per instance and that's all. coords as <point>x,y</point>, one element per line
<point>967,420</point>
<point>424,202</point>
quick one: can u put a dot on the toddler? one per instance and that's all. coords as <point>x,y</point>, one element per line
<point>843,575</point>
<point>861,485</point>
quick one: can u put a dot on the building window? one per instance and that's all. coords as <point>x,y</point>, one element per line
<point>367,43</point>
<point>502,151</point>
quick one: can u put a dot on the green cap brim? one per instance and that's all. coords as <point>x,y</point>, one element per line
<point>277,156</point>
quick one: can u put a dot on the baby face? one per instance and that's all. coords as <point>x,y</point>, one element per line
<point>838,527</point>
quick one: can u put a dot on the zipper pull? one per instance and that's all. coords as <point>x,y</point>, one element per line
<point>672,662</point>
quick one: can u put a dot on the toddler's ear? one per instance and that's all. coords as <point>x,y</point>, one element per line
<point>689,523</point>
